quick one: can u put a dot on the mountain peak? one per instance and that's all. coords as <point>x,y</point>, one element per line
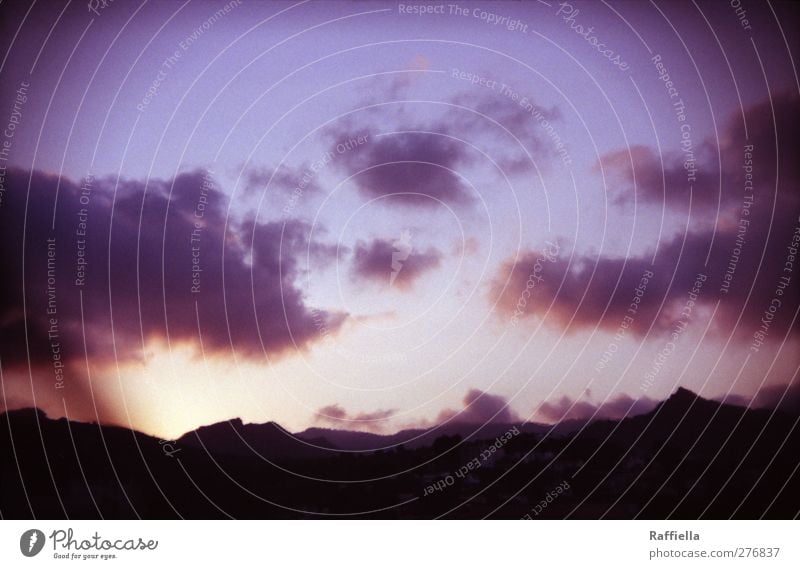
<point>682,400</point>
<point>683,394</point>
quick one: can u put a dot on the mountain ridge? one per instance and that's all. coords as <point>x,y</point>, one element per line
<point>704,457</point>
<point>355,440</point>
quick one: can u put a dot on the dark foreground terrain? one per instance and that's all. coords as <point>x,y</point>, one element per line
<point>689,458</point>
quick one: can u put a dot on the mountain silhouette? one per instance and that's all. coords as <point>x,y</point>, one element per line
<point>678,421</point>
<point>688,457</point>
<point>268,440</point>
<point>418,438</point>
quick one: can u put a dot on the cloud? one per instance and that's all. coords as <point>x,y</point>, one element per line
<point>419,162</point>
<point>620,406</point>
<point>599,292</point>
<point>283,181</point>
<point>337,417</point>
<point>331,413</point>
<point>658,179</point>
<point>480,407</point>
<point>742,260</point>
<point>415,169</point>
<point>494,115</point>
<point>154,260</point>
<point>393,263</point>
<point>720,173</point>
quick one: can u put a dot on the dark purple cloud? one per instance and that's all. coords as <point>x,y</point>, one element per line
<point>491,114</point>
<point>427,158</point>
<point>331,413</point>
<point>720,168</point>
<point>418,169</point>
<point>743,258</point>
<point>283,181</point>
<point>519,117</point>
<point>393,263</point>
<point>618,407</point>
<point>337,417</point>
<point>602,292</point>
<point>480,408</point>
<point>652,178</point>
<point>155,259</point>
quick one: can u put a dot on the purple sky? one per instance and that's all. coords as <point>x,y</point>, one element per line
<point>344,213</point>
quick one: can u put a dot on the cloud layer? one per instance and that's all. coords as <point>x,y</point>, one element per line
<point>739,258</point>
<point>479,408</point>
<point>133,263</point>
<point>618,407</point>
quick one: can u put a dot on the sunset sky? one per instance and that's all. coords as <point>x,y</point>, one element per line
<point>351,215</point>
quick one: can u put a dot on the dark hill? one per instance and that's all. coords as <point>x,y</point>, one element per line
<point>687,458</point>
